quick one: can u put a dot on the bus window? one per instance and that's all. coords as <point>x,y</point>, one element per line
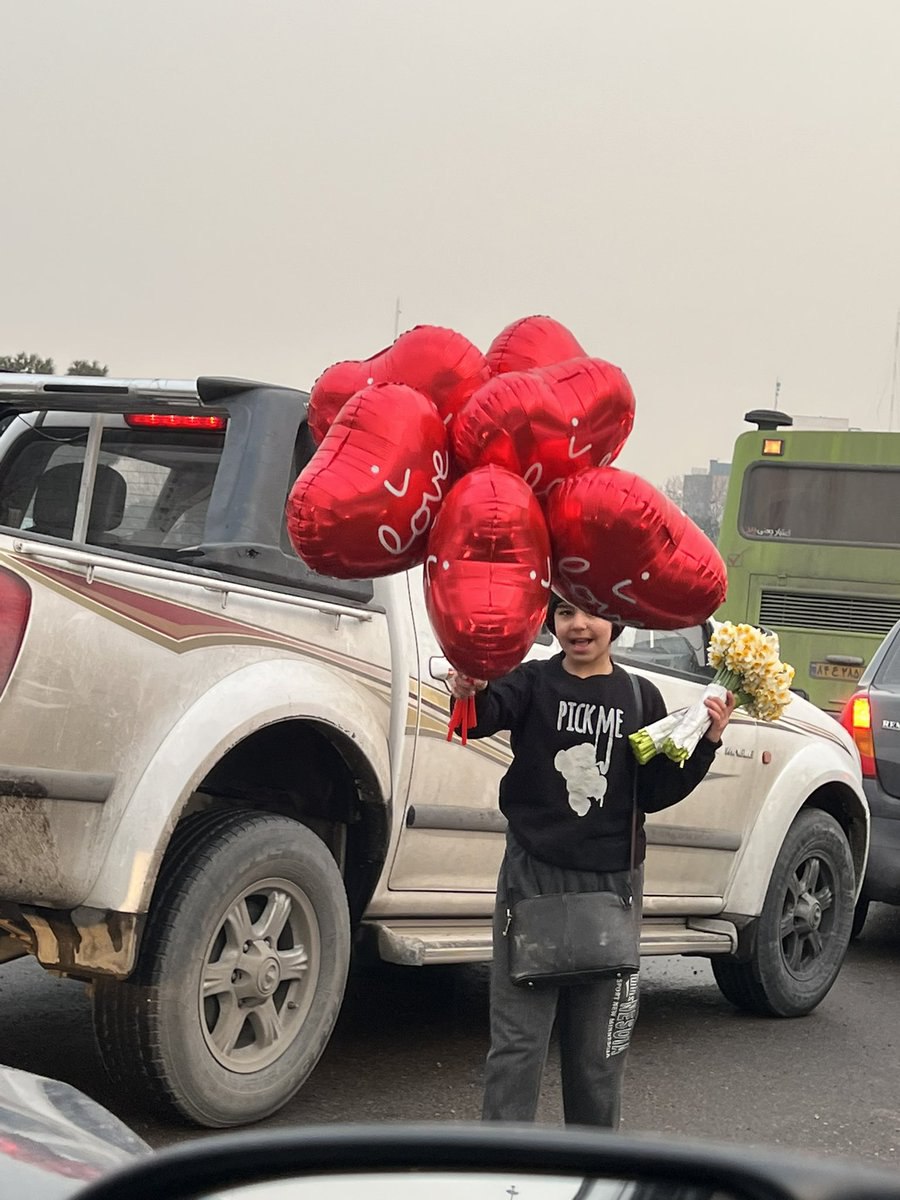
<point>854,506</point>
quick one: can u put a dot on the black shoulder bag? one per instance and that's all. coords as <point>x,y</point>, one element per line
<point>574,937</point>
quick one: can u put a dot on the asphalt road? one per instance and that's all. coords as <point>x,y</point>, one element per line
<point>410,1046</point>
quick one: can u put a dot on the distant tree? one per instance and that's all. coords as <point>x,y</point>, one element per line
<point>81,366</point>
<point>702,497</point>
<point>674,489</point>
<point>710,521</point>
<point>31,364</point>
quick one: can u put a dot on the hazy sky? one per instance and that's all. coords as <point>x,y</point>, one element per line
<point>707,192</point>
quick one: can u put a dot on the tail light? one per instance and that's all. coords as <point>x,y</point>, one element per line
<point>857,720</point>
<point>173,421</point>
<point>15,605</point>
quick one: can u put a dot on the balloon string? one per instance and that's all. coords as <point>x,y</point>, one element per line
<point>463,717</point>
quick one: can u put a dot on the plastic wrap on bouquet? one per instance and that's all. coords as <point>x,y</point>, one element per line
<point>442,364</point>
<point>365,503</point>
<point>487,575</point>
<point>623,551</point>
<point>535,341</point>
<point>546,424</point>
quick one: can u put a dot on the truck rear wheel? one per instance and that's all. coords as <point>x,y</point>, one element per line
<point>804,929</point>
<point>241,971</point>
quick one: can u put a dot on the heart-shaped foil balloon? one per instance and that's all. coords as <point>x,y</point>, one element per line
<point>366,501</point>
<point>442,364</point>
<point>532,342</point>
<point>623,551</point>
<point>546,424</point>
<point>487,573</point>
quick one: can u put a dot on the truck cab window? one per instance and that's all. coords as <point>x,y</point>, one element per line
<point>150,490</point>
<point>679,650</point>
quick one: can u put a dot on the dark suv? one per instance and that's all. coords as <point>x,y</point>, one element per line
<point>872,717</point>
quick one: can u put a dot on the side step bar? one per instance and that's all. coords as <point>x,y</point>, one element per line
<point>418,943</point>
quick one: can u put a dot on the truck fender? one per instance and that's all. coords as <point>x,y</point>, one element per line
<point>240,704</point>
<point>814,767</point>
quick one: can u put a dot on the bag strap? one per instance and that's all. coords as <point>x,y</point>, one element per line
<point>639,705</point>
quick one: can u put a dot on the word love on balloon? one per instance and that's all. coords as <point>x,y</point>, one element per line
<point>547,424</point>
<point>532,342</point>
<point>365,503</point>
<point>623,551</point>
<point>487,574</point>
<point>440,363</point>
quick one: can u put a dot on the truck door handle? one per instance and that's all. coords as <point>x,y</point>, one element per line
<point>844,660</point>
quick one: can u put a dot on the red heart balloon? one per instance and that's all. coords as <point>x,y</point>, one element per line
<point>442,364</point>
<point>623,551</point>
<point>531,342</point>
<point>364,504</point>
<point>487,573</point>
<point>547,424</point>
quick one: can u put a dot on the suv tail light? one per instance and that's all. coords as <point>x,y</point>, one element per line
<point>857,720</point>
<point>15,605</point>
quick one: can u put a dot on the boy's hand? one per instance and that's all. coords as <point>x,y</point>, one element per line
<point>719,715</point>
<point>462,687</point>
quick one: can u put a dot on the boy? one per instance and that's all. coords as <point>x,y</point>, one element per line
<point>567,797</point>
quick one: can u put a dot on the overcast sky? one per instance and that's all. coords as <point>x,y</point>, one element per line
<point>707,192</point>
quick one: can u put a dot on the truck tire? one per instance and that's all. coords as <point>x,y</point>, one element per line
<point>804,929</point>
<point>240,975</point>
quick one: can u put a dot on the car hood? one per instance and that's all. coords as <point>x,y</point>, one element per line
<point>54,1140</point>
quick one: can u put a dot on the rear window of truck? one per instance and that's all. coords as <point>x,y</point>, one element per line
<point>151,490</point>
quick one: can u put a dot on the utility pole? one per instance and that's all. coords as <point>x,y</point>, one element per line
<point>397,319</point>
<point>894,373</point>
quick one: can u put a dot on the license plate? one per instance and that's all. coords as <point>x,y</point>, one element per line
<point>827,670</point>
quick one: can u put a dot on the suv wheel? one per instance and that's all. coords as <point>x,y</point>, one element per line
<point>241,971</point>
<point>804,929</point>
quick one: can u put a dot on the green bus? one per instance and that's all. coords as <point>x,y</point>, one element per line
<point>810,536</point>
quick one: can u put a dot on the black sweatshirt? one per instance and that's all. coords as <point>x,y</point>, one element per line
<point>567,793</point>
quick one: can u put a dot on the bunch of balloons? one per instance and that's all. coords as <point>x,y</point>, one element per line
<point>494,471</point>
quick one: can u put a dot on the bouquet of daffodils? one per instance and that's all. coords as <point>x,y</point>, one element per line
<point>746,662</point>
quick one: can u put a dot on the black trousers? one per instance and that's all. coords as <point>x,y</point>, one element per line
<point>594,1020</point>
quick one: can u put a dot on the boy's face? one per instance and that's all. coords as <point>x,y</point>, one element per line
<point>584,639</point>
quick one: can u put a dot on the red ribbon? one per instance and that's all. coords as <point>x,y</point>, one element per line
<point>462,718</point>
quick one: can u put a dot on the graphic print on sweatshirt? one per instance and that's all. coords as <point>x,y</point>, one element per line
<point>584,766</point>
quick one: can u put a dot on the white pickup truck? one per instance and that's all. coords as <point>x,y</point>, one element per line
<point>221,771</point>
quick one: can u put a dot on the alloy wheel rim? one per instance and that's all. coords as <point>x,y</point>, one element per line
<point>259,975</point>
<point>808,913</point>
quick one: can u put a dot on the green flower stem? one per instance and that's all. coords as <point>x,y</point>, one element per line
<point>730,680</point>
<point>675,752</point>
<point>643,746</point>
